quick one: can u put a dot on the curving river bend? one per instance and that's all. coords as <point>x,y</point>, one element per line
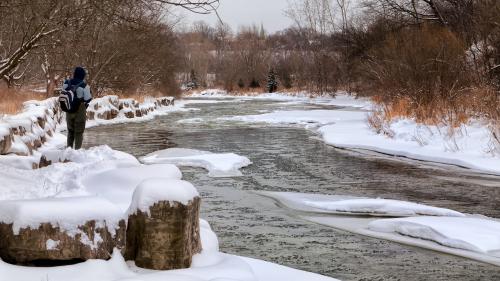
<point>292,159</point>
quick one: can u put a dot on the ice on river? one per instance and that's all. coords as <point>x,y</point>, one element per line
<point>217,164</point>
<point>338,204</point>
<point>473,234</point>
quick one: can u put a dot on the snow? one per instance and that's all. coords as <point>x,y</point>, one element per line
<point>300,117</point>
<point>341,98</point>
<point>383,207</point>
<point>217,164</point>
<point>59,179</point>
<point>52,244</point>
<point>65,213</point>
<point>111,103</point>
<point>473,234</point>
<point>467,148</point>
<point>359,225</point>
<point>118,185</point>
<point>154,190</point>
<point>350,205</point>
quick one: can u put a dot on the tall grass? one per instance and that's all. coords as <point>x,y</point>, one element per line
<point>11,100</point>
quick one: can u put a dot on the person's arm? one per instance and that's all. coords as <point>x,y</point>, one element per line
<point>87,95</point>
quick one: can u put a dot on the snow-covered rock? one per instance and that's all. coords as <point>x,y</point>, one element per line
<point>218,165</point>
<point>112,109</point>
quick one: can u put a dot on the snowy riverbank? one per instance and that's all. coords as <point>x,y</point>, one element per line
<point>469,146</point>
<point>98,183</point>
<point>107,179</point>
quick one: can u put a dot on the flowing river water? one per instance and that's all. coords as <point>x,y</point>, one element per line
<point>287,158</point>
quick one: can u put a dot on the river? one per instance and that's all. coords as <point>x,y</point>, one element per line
<point>288,158</point>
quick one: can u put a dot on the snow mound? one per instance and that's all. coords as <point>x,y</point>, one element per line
<point>154,190</point>
<point>59,179</point>
<point>382,207</point>
<point>118,185</point>
<point>218,165</point>
<point>66,213</point>
<point>473,234</point>
<point>341,204</point>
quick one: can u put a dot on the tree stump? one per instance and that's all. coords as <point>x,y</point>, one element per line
<point>166,236</point>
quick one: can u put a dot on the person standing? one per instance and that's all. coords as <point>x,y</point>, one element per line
<point>76,120</point>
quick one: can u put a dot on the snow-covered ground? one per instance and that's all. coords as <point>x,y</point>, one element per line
<point>341,99</point>
<point>469,146</point>
<point>217,164</point>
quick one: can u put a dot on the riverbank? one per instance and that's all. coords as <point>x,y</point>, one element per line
<point>470,146</point>
<point>107,178</point>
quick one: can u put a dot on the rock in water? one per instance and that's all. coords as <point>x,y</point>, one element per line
<point>163,231</point>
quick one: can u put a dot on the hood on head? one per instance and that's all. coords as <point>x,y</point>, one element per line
<point>80,73</point>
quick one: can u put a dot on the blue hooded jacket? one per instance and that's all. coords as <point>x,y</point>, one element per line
<point>83,91</point>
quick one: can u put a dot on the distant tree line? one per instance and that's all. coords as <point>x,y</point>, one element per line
<point>422,52</point>
<point>125,45</point>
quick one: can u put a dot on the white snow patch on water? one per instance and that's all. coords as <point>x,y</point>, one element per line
<point>473,234</point>
<point>382,207</point>
<point>217,164</point>
<point>360,225</point>
<point>350,205</point>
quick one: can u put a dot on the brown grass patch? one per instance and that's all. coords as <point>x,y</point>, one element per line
<point>475,103</point>
<point>11,100</point>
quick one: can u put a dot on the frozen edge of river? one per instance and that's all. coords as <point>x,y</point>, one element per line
<point>347,128</point>
<point>359,225</point>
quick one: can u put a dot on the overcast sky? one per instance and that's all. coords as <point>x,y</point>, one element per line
<point>247,12</point>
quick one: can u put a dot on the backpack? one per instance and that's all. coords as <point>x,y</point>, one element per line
<point>68,100</point>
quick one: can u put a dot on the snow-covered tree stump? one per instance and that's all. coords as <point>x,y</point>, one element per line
<point>163,229</point>
<point>63,229</point>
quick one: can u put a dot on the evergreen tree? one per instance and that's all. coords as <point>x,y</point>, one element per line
<point>241,83</point>
<point>254,83</point>
<point>193,80</point>
<point>272,82</point>
<point>262,33</point>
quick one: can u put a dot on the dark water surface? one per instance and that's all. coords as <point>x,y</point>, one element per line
<point>292,159</point>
